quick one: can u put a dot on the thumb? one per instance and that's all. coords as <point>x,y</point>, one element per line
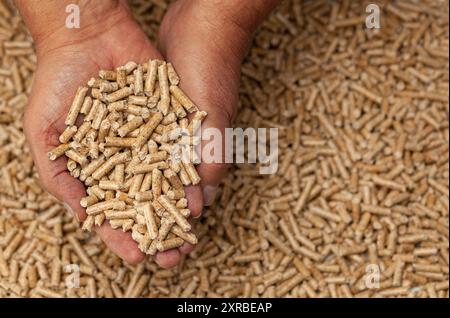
<point>66,189</point>
<point>213,167</point>
<point>56,180</point>
<point>53,175</point>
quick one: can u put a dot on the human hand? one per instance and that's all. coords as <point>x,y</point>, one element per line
<point>66,60</point>
<point>206,41</point>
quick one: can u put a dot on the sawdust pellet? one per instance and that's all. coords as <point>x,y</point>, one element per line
<point>76,106</point>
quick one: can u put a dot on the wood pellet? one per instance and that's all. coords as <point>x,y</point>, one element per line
<point>362,185</point>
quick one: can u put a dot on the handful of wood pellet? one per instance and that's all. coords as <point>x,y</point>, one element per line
<point>130,152</point>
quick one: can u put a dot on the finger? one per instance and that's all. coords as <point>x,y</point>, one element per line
<point>212,168</point>
<point>168,259</point>
<point>186,248</point>
<point>66,189</point>
<point>53,175</point>
<point>194,197</point>
<point>121,243</point>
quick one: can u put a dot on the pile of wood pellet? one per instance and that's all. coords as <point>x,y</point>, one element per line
<point>362,186</point>
<point>134,152</point>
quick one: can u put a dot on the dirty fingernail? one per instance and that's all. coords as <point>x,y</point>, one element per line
<point>71,211</point>
<point>209,194</point>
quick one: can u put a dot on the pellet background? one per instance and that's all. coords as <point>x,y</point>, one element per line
<point>362,182</point>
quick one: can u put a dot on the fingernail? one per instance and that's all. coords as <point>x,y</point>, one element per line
<point>197,216</point>
<point>71,211</point>
<point>209,194</point>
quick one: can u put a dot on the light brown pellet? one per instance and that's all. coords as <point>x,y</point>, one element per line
<point>67,134</point>
<point>183,99</point>
<point>147,130</point>
<point>176,214</point>
<point>169,244</point>
<point>58,151</point>
<point>152,74</point>
<point>76,106</point>
<point>163,80</point>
